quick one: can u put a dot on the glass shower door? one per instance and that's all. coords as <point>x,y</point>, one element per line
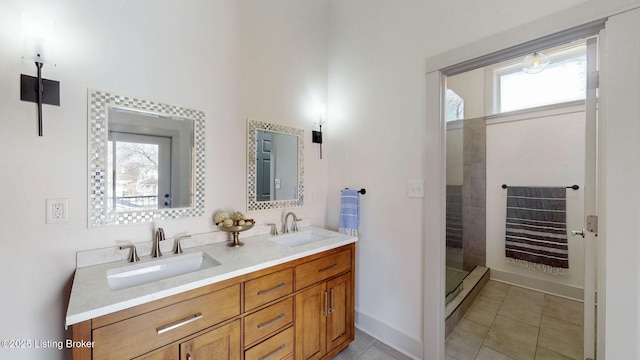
<point>454,209</point>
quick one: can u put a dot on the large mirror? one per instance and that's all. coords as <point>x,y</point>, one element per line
<point>146,160</point>
<point>275,166</point>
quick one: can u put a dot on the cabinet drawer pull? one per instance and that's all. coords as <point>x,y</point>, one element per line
<point>273,353</point>
<point>177,324</point>
<point>265,292</point>
<point>264,325</point>
<point>331,307</point>
<point>325,310</point>
<point>328,268</point>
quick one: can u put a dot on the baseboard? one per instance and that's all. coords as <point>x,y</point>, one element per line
<point>387,334</point>
<point>545,286</point>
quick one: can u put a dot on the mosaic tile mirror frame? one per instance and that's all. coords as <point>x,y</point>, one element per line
<point>99,103</point>
<point>253,126</point>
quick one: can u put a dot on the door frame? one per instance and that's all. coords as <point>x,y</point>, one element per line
<point>435,131</point>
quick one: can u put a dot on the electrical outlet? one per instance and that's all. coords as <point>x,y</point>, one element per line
<point>415,189</point>
<point>57,211</point>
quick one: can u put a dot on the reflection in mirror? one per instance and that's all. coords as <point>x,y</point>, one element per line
<point>145,160</point>
<point>150,161</point>
<point>275,166</point>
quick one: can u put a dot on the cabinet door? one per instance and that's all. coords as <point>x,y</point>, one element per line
<point>311,317</point>
<point>340,311</point>
<point>222,343</point>
<point>168,353</point>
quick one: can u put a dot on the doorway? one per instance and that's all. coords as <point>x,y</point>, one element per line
<point>533,145</point>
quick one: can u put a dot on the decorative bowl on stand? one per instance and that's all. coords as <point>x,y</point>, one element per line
<point>235,230</point>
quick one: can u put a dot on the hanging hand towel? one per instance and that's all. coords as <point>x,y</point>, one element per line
<point>349,209</point>
<point>536,229</point>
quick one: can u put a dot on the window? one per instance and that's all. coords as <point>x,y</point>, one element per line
<point>136,163</point>
<point>563,80</point>
<point>454,106</point>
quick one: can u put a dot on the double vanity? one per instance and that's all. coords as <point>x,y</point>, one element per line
<point>287,296</point>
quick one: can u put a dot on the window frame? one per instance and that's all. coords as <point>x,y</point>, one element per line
<point>558,54</point>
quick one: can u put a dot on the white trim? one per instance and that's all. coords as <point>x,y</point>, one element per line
<point>389,335</point>
<point>538,112</point>
<point>547,30</point>
<point>545,286</point>
<point>433,221</point>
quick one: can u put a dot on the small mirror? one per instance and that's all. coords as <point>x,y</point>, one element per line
<point>143,160</point>
<point>275,166</point>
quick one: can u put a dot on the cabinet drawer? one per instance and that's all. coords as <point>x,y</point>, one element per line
<point>277,347</point>
<point>268,321</point>
<point>267,288</point>
<point>323,268</point>
<point>152,330</point>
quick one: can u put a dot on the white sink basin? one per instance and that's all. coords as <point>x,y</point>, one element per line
<point>146,272</point>
<point>302,238</point>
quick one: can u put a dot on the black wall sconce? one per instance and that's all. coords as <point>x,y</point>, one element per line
<point>40,91</point>
<point>38,34</point>
<point>316,136</point>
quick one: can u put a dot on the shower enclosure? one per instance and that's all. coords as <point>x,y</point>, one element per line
<point>465,194</point>
<point>454,214</point>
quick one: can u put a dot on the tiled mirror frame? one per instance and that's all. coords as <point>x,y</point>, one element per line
<point>252,130</point>
<point>98,105</point>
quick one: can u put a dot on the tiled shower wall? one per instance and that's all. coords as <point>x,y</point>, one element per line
<point>474,193</point>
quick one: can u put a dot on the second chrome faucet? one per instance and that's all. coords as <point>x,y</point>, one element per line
<point>155,249</point>
<point>294,223</point>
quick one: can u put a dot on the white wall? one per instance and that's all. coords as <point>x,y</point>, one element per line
<point>542,148</point>
<point>231,59</point>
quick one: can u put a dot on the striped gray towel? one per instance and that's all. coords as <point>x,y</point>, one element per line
<point>536,230</point>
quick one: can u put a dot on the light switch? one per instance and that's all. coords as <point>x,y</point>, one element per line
<point>415,189</point>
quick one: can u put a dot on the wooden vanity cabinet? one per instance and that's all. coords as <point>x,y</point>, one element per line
<point>325,311</point>
<point>302,309</point>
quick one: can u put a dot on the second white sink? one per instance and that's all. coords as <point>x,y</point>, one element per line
<point>146,272</point>
<point>302,238</point>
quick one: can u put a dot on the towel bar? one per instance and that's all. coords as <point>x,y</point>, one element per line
<point>361,191</point>
<point>574,187</point>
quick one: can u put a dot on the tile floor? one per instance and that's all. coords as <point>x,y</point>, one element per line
<point>508,322</point>
<point>364,347</point>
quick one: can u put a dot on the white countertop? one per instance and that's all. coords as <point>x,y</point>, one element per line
<point>91,296</point>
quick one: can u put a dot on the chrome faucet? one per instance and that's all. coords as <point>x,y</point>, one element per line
<point>178,248</point>
<point>155,251</point>
<point>294,223</point>
<point>274,231</point>
<point>133,254</point>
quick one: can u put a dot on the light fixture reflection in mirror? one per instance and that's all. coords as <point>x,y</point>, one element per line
<point>146,160</point>
<point>275,166</point>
